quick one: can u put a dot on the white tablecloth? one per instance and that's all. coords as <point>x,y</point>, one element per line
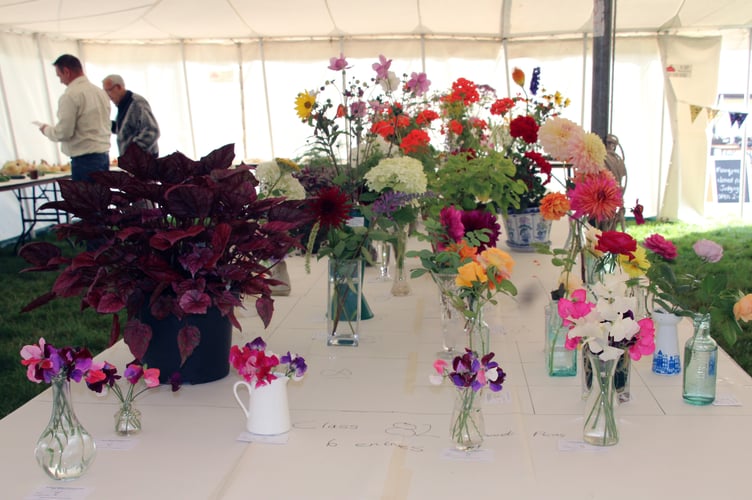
<point>367,424</point>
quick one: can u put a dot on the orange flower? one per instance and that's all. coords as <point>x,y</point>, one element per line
<point>470,273</point>
<point>743,308</point>
<point>518,76</point>
<point>463,249</point>
<point>554,206</point>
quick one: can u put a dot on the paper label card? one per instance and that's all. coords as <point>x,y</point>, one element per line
<point>59,493</point>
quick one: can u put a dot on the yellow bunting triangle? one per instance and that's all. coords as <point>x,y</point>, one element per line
<point>711,113</point>
<point>694,110</point>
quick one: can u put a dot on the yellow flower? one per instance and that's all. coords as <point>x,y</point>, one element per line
<point>287,166</point>
<point>470,273</point>
<point>571,281</point>
<point>304,104</point>
<point>638,265</point>
<point>743,308</point>
<point>501,261</point>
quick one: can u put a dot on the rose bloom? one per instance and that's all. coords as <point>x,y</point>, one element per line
<point>743,308</point>
<point>660,245</point>
<point>554,206</point>
<point>469,273</point>
<point>501,261</point>
<point>708,250</point>
<point>617,242</point>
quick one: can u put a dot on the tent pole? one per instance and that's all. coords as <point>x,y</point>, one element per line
<point>266,94</point>
<point>241,83</point>
<point>188,96</point>
<point>602,60</point>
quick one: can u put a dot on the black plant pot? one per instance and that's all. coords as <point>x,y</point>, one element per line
<point>210,359</point>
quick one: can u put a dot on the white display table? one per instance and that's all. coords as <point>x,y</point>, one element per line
<point>367,424</point>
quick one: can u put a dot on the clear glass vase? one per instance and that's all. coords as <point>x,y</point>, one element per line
<point>344,299</point>
<point>622,376</point>
<point>560,361</point>
<point>467,425</point>
<point>383,253</point>
<point>700,361</point>
<point>65,450</point>
<point>452,320</point>
<point>400,285</point>
<point>600,422</point>
<point>477,331</point>
<point>127,419</point>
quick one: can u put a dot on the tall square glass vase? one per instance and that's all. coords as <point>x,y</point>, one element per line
<point>560,361</point>
<point>343,298</point>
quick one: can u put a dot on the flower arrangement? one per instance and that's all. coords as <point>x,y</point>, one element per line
<point>469,374</point>
<point>44,362</point>
<point>103,377</point>
<point>260,367</point>
<point>517,135</point>
<point>701,292</point>
<point>369,119</point>
<point>170,236</point>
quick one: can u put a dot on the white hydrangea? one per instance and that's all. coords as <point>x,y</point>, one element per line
<point>273,183</point>
<point>401,174</point>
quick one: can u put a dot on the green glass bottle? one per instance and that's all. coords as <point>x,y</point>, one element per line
<point>700,361</point>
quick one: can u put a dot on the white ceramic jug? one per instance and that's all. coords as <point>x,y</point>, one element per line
<point>666,360</point>
<point>267,412</point>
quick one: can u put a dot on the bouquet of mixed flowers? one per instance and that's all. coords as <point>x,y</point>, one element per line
<point>369,119</point>
<point>44,362</point>
<point>260,367</point>
<point>469,374</point>
<point>701,292</point>
<point>518,132</point>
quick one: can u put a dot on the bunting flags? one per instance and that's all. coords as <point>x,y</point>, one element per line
<point>737,118</point>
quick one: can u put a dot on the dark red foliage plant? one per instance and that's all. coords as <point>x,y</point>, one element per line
<point>172,233</point>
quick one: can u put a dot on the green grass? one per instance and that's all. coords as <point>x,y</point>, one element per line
<point>60,322</point>
<point>736,239</point>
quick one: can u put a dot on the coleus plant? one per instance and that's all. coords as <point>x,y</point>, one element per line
<point>171,233</point>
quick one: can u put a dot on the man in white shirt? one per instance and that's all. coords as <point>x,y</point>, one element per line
<point>83,126</point>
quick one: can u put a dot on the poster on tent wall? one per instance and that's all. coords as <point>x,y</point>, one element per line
<point>727,181</point>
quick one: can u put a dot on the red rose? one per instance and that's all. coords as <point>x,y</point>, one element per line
<point>525,127</point>
<point>660,245</point>
<point>616,242</point>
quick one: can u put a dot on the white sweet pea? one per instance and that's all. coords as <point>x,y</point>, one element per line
<point>492,375</point>
<point>601,348</point>
<point>623,329</point>
<point>435,379</point>
<point>589,326</point>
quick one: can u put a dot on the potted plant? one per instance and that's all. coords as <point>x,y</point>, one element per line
<point>170,242</point>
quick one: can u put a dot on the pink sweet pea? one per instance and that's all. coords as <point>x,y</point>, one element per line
<point>338,63</point>
<point>151,377</point>
<point>645,340</point>
<point>440,365</point>
<point>577,308</point>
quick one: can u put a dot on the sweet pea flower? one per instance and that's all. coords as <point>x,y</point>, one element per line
<point>645,344</point>
<point>708,250</point>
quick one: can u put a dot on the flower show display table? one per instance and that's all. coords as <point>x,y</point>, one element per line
<point>31,194</point>
<point>367,424</point>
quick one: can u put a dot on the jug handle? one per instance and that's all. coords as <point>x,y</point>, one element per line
<point>237,397</point>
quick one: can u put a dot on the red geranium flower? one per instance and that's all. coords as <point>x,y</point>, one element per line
<point>525,127</point>
<point>426,117</point>
<point>415,141</point>
<point>502,106</point>
<point>455,127</point>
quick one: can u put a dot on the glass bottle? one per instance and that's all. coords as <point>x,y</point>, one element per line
<point>700,361</point>
<point>560,361</point>
<point>600,421</point>
<point>127,419</point>
<point>65,449</point>
<point>400,285</point>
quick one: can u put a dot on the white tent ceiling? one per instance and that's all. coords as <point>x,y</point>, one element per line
<point>238,19</point>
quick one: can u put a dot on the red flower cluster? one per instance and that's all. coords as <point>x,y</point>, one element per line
<point>415,141</point>
<point>526,127</point>
<point>616,242</point>
<point>463,90</point>
<point>502,106</point>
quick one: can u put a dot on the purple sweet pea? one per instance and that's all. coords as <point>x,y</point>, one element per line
<point>257,344</point>
<point>338,63</point>
<point>708,250</point>
<point>133,372</point>
<point>418,83</point>
<point>382,67</point>
<point>297,364</point>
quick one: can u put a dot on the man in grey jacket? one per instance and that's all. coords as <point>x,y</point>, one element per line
<point>135,121</point>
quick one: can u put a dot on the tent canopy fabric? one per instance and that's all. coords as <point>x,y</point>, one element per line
<point>129,20</point>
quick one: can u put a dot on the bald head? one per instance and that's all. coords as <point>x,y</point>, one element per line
<point>115,87</point>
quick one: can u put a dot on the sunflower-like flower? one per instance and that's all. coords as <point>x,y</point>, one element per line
<point>554,206</point>
<point>597,196</point>
<point>304,103</point>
